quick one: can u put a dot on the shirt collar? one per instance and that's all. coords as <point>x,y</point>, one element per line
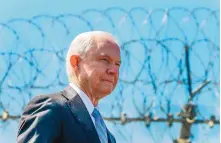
<point>87,102</point>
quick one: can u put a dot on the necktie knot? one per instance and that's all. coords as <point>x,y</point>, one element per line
<point>96,114</point>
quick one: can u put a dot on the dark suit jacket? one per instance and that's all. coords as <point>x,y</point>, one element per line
<point>58,118</point>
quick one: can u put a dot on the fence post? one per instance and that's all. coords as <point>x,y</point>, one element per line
<point>188,115</point>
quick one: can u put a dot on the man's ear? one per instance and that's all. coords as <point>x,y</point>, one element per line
<point>74,60</point>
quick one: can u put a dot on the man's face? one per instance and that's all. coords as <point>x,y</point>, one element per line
<point>99,69</point>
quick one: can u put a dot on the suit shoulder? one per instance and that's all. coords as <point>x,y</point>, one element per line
<point>53,97</point>
<point>54,100</point>
<point>44,112</point>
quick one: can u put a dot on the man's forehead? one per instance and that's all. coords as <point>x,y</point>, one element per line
<point>106,42</point>
<point>104,46</point>
<point>108,46</point>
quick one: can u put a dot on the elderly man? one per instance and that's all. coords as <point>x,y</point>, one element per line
<point>71,116</point>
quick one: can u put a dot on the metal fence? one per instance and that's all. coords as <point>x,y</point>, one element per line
<point>169,79</point>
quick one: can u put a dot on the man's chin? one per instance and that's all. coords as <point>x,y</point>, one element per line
<point>107,91</point>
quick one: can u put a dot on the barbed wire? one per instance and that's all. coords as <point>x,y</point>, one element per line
<point>169,72</point>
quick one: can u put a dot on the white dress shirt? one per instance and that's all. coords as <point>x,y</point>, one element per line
<point>87,102</point>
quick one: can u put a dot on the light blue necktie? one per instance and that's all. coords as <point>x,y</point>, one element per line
<point>100,126</point>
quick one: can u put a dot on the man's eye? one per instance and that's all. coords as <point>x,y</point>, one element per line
<point>105,60</point>
<point>118,65</point>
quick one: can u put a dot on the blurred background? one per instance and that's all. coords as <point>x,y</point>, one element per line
<point>168,90</point>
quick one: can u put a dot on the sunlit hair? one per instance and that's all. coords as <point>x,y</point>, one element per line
<point>79,46</point>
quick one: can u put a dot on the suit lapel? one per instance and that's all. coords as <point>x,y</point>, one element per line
<point>110,137</point>
<point>79,110</point>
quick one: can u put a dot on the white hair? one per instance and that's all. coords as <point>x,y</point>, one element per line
<point>79,46</point>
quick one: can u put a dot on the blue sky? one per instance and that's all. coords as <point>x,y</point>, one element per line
<point>28,8</point>
<point>11,9</point>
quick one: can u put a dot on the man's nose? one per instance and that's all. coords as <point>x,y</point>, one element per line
<point>113,70</point>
